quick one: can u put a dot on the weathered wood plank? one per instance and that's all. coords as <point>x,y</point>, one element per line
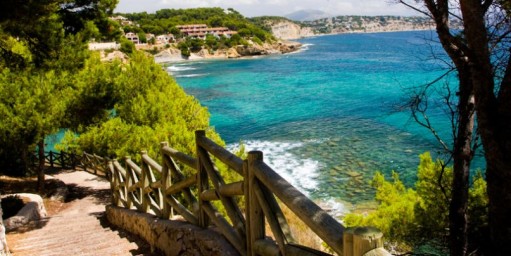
<point>181,157</point>
<point>255,213</point>
<point>183,211</point>
<point>202,184</point>
<point>270,216</point>
<point>230,205</point>
<point>225,228</point>
<point>221,153</point>
<point>324,225</point>
<point>232,189</point>
<point>179,186</point>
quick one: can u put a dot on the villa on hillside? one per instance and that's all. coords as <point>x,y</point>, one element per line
<point>165,39</point>
<point>132,37</point>
<point>201,30</point>
<point>122,20</point>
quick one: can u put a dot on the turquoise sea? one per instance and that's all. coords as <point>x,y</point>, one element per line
<point>326,117</point>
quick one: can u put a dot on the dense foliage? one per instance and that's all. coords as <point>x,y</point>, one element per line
<point>129,107</point>
<point>166,20</point>
<point>418,217</point>
<point>51,81</point>
<point>41,44</point>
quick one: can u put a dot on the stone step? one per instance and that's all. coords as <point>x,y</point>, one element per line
<point>66,233</point>
<point>80,243</point>
<point>77,229</point>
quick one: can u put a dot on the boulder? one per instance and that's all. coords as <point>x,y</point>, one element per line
<point>32,211</point>
<point>232,53</point>
<point>250,50</point>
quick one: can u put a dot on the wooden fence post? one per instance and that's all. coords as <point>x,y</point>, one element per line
<point>202,181</point>
<point>246,190</point>
<point>114,183</point>
<point>363,241</point>
<point>51,159</point>
<point>255,213</point>
<point>166,182</point>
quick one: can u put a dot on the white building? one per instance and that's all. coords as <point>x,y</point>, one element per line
<point>132,37</point>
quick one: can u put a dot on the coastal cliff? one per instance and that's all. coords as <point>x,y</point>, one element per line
<point>288,30</point>
<point>252,49</point>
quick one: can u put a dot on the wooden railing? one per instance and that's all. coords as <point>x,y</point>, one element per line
<point>136,187</point>
<point>163,189</point>
<point>88,162</point>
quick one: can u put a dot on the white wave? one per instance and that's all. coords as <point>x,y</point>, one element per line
<point>179,68</point>
<point>335,207</point>
<point>303,48</point>
<point>192,75</point>
<point>301,173</point>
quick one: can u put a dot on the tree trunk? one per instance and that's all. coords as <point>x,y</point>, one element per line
<point>3,242</point>
<point>462,148</point>
<point>462,156</point>
<point>494,115</point>
<point>40,168</point>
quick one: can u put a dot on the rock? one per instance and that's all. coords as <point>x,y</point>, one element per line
<point>33,210</point>
<point>250,50</point>
<point>115,55</point>
<point>353,174</point>
<point>288,46</point>
<point>232,53</point>
<point>288,30</point>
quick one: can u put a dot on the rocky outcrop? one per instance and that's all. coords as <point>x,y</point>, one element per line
<point>251,50</point>
<point>170,54</point>
<point>172,237</point>
<point>287,30</point>
<point>232,53</point>
<point>32,211</point>
<point>289,46</point>
<point>114,55</point>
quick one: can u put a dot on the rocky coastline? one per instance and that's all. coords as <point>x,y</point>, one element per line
<point>240,51</point>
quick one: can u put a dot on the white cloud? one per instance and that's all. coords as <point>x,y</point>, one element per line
<point>252,8</point>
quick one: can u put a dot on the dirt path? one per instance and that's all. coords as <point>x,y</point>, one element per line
<point>80,228</point>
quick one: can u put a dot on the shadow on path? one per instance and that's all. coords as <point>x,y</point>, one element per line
<point>143,247</point>
<point>76,192</point>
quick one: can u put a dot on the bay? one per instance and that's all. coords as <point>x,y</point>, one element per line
<point>325,117</point>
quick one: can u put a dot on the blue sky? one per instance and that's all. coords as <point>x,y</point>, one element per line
<point>251,8</point>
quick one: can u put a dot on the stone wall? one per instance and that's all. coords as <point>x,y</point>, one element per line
<point>172,237</point>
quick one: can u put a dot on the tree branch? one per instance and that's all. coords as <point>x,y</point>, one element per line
<point>415,8</point>
<point>486,5</point>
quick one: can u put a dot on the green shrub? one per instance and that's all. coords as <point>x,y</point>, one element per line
<point>414,218</point>
<point>127,46</point>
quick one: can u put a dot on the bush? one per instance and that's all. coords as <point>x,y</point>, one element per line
<point>416,217</point>
<point>127,46</point>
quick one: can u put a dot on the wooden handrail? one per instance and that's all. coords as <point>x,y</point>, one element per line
<point>219,152</point>
<point>324,225</point>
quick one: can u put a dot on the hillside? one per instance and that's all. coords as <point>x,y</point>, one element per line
<point>287,29</point>
<point>307,15</point>
<point>350,24</point>
<point>282,28</point>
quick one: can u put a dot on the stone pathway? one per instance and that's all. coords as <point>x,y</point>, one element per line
<point>80,227</point>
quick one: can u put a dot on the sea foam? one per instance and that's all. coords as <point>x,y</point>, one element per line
<point>179,68</point>
<point>301,173</point>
